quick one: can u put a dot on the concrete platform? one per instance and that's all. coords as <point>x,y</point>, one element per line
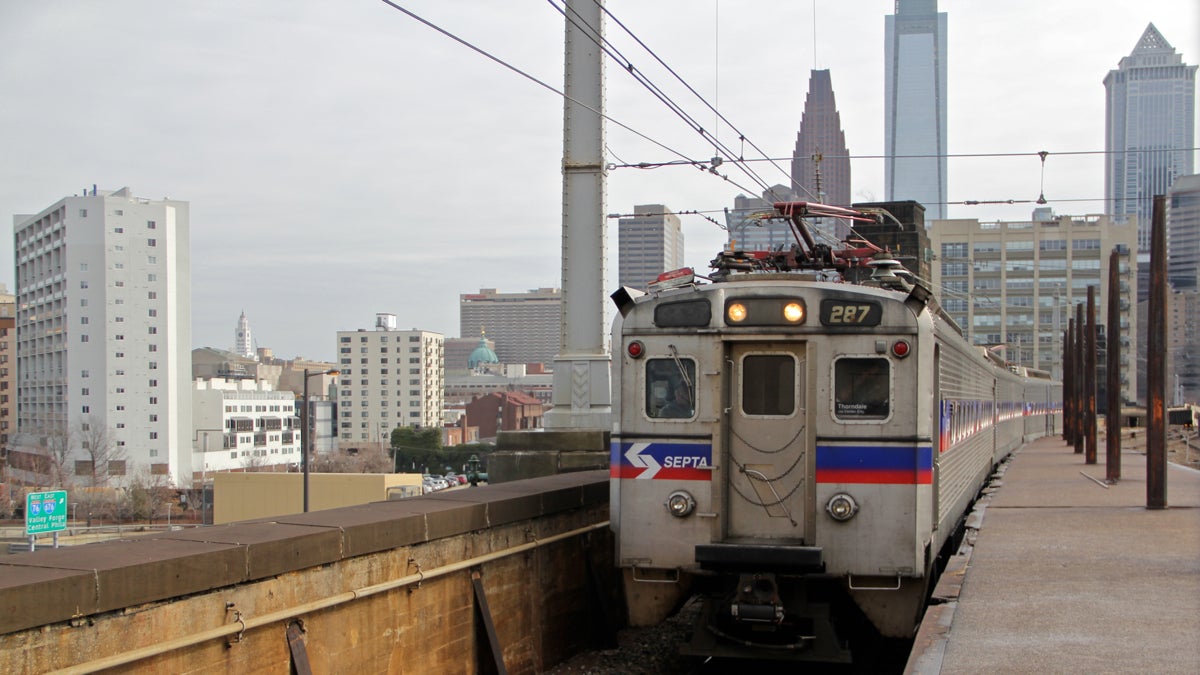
<point>1069,576</point>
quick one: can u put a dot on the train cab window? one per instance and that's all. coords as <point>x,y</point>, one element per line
<point>861,387</point>
<point>671,388</point>
<point>768,384</point>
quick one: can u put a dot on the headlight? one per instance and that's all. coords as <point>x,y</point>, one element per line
<point>793,312</point>
<point>680,504</point>
<point>736,312</point>
<point>841,507</point>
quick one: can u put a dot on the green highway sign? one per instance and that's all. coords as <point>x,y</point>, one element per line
<point>45,512</point>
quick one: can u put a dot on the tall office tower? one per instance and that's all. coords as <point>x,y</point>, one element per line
<point>915,105</point>
<point>821,162</point>
<point>525,326</point>
<point>648,244</point>
<point>1183,233</point>
<point>243,343</point>
<point>1012,286</point>
<point>751,234</point>
<point>1149,128</point>
<point>104,340</point>
<point>388,378</point>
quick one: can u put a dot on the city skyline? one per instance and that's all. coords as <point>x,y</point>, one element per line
<point>323,150</point>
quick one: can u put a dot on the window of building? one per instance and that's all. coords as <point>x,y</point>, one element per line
<point>954,249</point>
<point>152,242</point>
<point>83,338</point>
<point>153,312</point>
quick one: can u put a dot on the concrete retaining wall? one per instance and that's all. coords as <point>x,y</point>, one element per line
<point>375,588</point>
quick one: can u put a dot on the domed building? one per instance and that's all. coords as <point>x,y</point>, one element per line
<point>483,356</point>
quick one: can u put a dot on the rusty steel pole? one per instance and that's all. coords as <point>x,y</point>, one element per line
<point>1072,402</point>
<point>1156,362</point>
<point>1069,384</point>
<point>1064,365</point>
<point>1089,380</point>
<point>1080,378</point>
<point>1112,422</point>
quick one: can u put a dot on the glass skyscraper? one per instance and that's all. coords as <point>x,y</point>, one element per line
<point>1149,128</point>
<point>915,105</point>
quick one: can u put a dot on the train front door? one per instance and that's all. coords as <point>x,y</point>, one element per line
<point>768,445</point>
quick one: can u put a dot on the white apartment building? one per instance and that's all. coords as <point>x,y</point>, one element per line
<point>388,378</point>
<point>243,425</point>
<point>104,338</point>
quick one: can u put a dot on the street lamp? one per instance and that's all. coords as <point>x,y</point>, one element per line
<point>304,429</point>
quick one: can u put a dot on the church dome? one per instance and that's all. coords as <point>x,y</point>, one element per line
<point>482,354</point>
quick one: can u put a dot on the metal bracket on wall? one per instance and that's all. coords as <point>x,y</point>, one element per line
<point>298,648</point>
<point>481,605</point>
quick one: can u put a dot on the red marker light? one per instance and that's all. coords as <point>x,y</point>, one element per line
<point>900,349</point>
<point>635,349</point>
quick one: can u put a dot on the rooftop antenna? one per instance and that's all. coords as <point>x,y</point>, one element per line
<point>716,77</point>
<point>814,6</point>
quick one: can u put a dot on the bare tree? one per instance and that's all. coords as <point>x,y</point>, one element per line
<point>255,461</point>
<point>148,495</point>
<point>365,460</point>
<point>54,441</point>
<point>99,446</point>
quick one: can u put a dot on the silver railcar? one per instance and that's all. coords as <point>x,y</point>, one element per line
<point>799,449</point>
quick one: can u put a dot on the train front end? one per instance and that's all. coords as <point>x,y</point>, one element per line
<point>770,455</point>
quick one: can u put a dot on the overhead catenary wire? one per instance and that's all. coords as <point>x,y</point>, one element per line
<point>738,158</point>
<point>531,78</point>
<point>627,65</point>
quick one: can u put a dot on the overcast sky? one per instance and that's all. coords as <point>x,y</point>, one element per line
<point>341,159</point>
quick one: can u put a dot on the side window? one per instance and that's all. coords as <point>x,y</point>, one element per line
<point>768,384</point>
<point>861,387</point>
<point>670,388</point>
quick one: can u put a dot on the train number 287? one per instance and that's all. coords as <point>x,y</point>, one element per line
<point>849,313</point>
<point>835,313</point>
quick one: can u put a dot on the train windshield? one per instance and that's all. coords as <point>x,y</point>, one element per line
<point>671,388</point>
<point>769,384</point>
<point>861,387</point>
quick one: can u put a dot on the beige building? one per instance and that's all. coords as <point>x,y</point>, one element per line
<point>388,378</point>
<point>243,496</point>
<point>1014,285</point>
